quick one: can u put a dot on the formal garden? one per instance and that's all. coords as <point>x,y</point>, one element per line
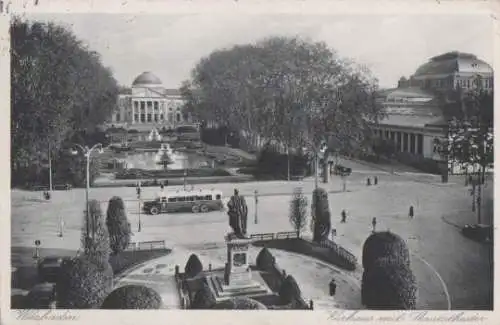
<point>91,278</point>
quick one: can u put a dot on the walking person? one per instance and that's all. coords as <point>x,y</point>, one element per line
<point>374,224</point>
<point>410,213</point>
<point>375,180</point>
<point>343,216</point>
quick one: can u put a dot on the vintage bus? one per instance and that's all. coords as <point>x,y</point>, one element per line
<point>182,201</point>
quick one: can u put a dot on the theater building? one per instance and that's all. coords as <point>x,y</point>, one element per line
<point>414,120</point>
<point>149,105</point>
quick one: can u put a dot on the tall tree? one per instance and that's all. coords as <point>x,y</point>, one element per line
<point>58,87</point>
<point>470,134</point>
<point>286,90</point>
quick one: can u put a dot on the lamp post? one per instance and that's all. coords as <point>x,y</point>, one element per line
<point>86,153</point>
<point>256,202</point>
<point>50,169</point>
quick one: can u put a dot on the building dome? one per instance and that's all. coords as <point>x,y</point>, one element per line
<point>453,62</point>
<point>146,78</point>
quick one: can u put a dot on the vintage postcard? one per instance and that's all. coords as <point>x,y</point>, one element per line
<point>186,159</point>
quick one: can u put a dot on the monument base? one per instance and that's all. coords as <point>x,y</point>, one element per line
<point>253,287</point>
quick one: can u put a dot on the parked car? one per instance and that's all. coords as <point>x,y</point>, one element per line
<point>49,266</point>
<point>341,170</point>
<point>478,232</point>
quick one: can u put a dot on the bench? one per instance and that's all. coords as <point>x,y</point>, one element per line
<point>296,177</point>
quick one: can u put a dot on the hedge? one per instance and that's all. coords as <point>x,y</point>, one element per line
<point>387,245</point>
<point>132,297</point>
<point>193,266</point>
<point>389,286</point>
<point>203,298</point>
<point>240,303</point>
<point>289,290</point>
<point>118,225</point>
<point>320,211</point>
<point>265,260</point>
<point>82,284</point>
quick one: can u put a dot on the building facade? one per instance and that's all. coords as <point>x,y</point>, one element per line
<point>149,105</point>
<point>414,121</point>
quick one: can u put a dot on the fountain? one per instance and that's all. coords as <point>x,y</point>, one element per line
<point>154,135</point>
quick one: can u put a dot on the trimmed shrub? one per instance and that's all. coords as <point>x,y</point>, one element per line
<point>298,211</point>
<point>320,212</point>
<point>95,237</point>
<point>132,297</point>
<point>82,284</point>
<point>193,266</point>
<point>387,245</point>
<point>265,260</point>
<point>289,290</point>
<point>240,303</point>
<point>118,225</point>
<point>389,286</point>
<point>203,298</point>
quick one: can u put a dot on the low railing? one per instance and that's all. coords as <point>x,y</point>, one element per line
<point>146,245</point>
<point>278,235</point>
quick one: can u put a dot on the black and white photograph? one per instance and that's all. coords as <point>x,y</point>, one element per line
<point>321,161</point>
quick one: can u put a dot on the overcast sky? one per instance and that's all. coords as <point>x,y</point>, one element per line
<point>170,45</point>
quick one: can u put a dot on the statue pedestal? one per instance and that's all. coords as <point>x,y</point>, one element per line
<point>239,280</point>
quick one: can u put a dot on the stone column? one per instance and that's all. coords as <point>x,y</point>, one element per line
<point>133,112</point>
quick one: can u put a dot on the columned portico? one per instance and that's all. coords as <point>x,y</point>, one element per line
<point>150,103</point>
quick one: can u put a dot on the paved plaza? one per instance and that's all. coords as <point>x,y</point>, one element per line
<point>451,270</point>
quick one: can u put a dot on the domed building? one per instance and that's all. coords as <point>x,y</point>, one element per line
<point>149,104</point>
<point>414,121</point>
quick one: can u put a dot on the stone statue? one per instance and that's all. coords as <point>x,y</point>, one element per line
<point>238,211</point>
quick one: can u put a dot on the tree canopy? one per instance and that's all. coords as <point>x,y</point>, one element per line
<point>59,88</point>
<point>284,89</point>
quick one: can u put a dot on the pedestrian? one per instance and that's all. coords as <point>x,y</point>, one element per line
<point>368,182</point>
<point>411,212</point>
<point>375,180</point>
<point>343,215</point>
<point>374,223</point>
<point>166,182</point>
<point>333,287</point>
<point>162,186</point>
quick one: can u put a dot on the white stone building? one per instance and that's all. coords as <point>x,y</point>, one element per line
<point>149,105</point>
<point>414,121</point>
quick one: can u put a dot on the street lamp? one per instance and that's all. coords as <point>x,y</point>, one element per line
<point>86,153</point>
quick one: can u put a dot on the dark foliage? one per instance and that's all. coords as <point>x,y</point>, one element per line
<point>118,225</point>
<point>320,212</point>
<point>203,298</point>
<point>83,284</point>
<point>265,260</point>
<point>385,245</point>
<point>132,297</point>
<point>193,266</point>
<point>289,290</point>
<point>240,303</point>
<point>218,136</point>
<point>59,88</point>
<point>389,286</point>
<point>95,236</point>
<point>270,162</point>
